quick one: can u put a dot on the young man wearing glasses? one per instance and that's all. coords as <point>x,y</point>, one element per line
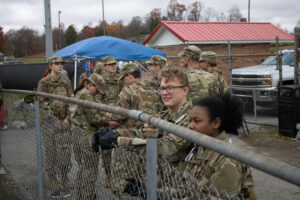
<point>174,89</point>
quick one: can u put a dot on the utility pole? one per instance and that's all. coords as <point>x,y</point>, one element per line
<point>48,29</point>
<point>59,34</point>
<point>103,17</point>
<point>248,10</point>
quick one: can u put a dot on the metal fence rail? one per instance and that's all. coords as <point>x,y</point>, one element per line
<point>19,155</point>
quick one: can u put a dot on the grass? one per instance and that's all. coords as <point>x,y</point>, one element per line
<point>33,60</point>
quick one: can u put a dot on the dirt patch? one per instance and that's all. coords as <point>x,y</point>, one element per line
<point>268,142</point>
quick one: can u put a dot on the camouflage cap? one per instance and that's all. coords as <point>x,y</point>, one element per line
<point>127,69</point>
<point>108,60</point>
<point>208,56</point>
<point>192,51</point>
<point>55,59</point>
<point>97,80</point>
<point>157,60</point>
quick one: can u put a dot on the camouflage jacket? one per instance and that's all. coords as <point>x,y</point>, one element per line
<point>86,118</point>
<point>169,146</point>
<point>202,84</point>
<point>112,87</point>
<point>60,86</point>
<point>137,97</point>
<point>222,84</point>
<point>152,82</point>
<point>212,168</point>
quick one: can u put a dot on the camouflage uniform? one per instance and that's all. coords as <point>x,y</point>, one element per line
<point>212,168</point>
<point>202,84</point>
<point>57,141</point>
<point>211,58</point>
<point>111,90</point>
<point>86,121</point>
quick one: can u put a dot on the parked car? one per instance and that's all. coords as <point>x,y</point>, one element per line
<point>9,60</point>
<point>260,83</point>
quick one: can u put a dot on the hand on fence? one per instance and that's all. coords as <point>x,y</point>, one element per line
<point>106,139</point>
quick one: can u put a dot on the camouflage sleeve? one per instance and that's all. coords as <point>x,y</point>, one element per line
<point>44,102</point>
<point>213,88</point>
<point>227,177</point>
<point>172,147</point>
<point>124,101</point>
<point>92,115</point>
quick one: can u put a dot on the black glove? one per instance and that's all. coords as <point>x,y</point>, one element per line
<point>135,188</point>
<point>95,144</point>
<point>106,139</point>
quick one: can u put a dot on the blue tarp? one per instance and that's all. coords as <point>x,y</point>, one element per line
<point>100,47</point>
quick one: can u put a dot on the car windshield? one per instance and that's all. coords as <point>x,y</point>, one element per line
<point>287,59</point>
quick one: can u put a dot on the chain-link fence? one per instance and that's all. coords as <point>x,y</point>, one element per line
<point>48,160</point>
<point>70,167</point>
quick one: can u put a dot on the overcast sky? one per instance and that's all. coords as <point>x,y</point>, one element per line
<point>30,13</point>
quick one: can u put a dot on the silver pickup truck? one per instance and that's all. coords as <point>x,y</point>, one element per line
<point>260,83</point>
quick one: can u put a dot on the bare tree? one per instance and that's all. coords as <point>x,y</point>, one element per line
<point>210,14</point>
<point>195,11</point>
<point>134,28</point>
<point>153,19</point>
<point>234,14</point>
<point>175,11</point>
<point>222,17</point>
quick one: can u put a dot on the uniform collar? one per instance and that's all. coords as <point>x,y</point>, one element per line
<point>181,111</point>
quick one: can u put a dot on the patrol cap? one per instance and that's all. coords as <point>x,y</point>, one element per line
<point>97,80</point>
<point>127,69</point>
<point>55,59</point>
<point>157,60</point>
<point>208,56</point>
<point>108,60</point>
<point>191,51</point>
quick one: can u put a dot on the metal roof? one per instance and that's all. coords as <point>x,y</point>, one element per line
<point>198,32</point>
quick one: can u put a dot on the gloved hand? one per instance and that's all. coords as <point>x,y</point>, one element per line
<point>106,139</point>
<point>135,188</point>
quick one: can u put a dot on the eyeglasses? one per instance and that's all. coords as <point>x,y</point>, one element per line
<point>169,89</point>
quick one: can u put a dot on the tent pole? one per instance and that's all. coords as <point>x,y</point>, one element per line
<point>75,72</point>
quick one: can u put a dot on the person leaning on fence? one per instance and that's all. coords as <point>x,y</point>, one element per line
<point>208,62</point>
<point>84,122</point>
<point>189,57</point>
<point>215,116</point>
<point>57,140</point>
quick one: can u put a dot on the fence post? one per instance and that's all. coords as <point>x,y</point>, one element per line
<point>230,66</point>
<point>151,156</point>
<point>278,61</point>
<point>254,104</point>
<point>39,149</point>
<point>296,47</point>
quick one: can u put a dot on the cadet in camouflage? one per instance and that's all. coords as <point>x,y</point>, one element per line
<point>85,121</point>
<point>189,57</point>
<point>208,62</point>
<point>214,116</point>
<point>57,142</point>
<point>156,63</point>
<point>111,90</point>
<point>174,91</point>
<point>201,83</point>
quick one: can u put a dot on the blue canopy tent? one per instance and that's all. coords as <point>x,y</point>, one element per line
<point>100,47</point>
